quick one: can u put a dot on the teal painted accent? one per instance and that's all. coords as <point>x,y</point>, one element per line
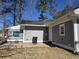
<point>16,33</point>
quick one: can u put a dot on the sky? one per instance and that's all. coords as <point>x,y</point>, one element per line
<point>35,13</point>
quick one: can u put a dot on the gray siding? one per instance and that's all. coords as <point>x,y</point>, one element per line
<point>68,39</point>
<point>45,29</point>
<point>50,33</point>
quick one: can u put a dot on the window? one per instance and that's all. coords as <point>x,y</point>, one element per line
<point>62,30</point>
<point>16,33</point>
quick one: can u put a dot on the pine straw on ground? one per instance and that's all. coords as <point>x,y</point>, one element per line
<point>37,53</point>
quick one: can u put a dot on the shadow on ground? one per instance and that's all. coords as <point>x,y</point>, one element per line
<point>52,45</point>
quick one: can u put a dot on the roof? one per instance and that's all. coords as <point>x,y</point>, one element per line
<point>14,27</point>
<point>33,25</point>
<point>33,22</point>
<point>70,16</point>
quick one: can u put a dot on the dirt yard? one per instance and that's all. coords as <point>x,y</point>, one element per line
<point>37,53</point>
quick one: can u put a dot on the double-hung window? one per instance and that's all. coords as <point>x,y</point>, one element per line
<point>62,30</point>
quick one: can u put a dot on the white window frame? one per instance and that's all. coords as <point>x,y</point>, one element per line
<point>62,25</point>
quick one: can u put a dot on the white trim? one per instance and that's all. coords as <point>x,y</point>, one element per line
<point>31,41</point>
<point>64,46</point>
<point>23,35</point>
<point>27,41</point>
<point>75,32</point>
<point>15,40</point>
<point>76,36</point>
<point>33,25</point>
<point>14,27</point>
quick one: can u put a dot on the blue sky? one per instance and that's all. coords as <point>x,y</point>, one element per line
<point>35,13</point>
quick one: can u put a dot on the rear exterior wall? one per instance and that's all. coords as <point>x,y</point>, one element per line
<point>68,39</point>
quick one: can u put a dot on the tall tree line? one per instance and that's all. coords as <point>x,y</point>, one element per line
<point>50,5</point>
<point>15,7</point>
<point>68,8</point>
<point>46,5</point>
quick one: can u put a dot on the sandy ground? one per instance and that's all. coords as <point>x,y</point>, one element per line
<point>37,53</point>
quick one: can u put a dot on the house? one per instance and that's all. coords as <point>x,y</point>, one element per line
<point>29,32</point>
<point>63,31</point>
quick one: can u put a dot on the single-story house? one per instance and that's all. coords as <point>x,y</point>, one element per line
<point>63,31</point>
<point>29,32</point>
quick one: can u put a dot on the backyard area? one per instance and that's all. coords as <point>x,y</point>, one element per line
<point>29,28</point>
<point>39,51</point>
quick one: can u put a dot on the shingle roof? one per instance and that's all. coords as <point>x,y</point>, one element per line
<point>33,22</point>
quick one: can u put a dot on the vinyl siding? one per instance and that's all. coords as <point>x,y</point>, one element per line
<point>68,39</point>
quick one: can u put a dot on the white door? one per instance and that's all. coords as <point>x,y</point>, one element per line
<point>29,34</point>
